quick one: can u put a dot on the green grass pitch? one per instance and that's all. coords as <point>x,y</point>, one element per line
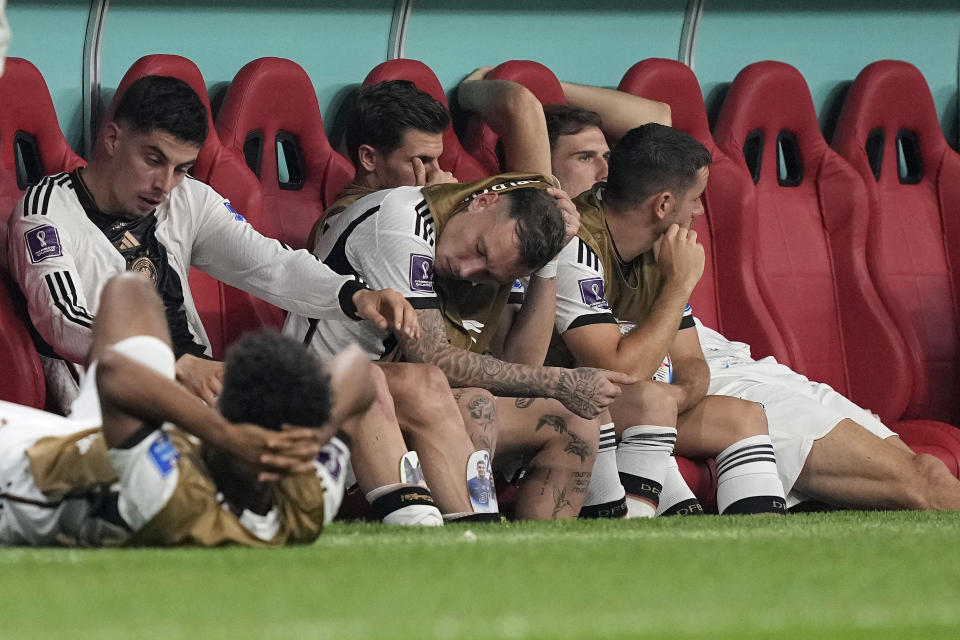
<point>837,575</point>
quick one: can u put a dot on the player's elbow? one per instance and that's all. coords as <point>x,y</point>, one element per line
<point>664,114</point>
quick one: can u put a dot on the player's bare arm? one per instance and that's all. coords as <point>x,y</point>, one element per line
<point>515,114</point>
<point>640,353</point>
<point>619,111</point>
<point>691,375</point>
<point>584,391</point>
<point>426,175</point>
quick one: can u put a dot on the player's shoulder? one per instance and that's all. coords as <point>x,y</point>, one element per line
<point>578,252</point>
<point>47,197</point>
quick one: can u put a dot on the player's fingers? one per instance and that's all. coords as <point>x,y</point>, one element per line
<point>419,172</point>
<point>268,476</point>
<point>691,236</point>
<point>411,322</point>
<point>618,377</point>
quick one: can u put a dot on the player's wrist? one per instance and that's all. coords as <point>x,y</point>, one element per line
<point>548,270</point>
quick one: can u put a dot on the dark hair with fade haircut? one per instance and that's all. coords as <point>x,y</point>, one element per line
<point>167,104</point>
<point>385,111</point>
<point>270,379</point>
<point>564,120</point>
<point>540,229</point>
<point>653,158</point>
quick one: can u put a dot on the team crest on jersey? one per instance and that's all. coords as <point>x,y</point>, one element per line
<point>236,214</point>
<point>164,455</point>
<point>144,266</point>
<point>42,243</point>
<point>421,273</point>
<point>591,290</point>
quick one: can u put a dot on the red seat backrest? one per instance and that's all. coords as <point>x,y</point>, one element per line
<point>225,312</point>
<point>28,120</point>
<point>271,107</point>
<point>22,381</point>
<point>727,297</point>
<point>811,240</point>
<point>479,139</point>
<point>454,158</point>
<point>914,236</point>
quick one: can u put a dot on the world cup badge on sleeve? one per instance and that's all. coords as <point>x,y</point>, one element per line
<point>591,291</point>
<point>421,273</point>
<point>42,243</point>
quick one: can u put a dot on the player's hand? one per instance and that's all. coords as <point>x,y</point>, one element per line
<point>387,310</point>
<point>587,392</point>
<point>203,378</point>
<point>274,454</point>
<point>477,74</point>
<point>425,176</point>
<point>352,386</point>
<point>571,217</point>
<point>680,257</point>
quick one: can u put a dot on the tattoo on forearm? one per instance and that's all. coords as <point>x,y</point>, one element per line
<point>467,369</point>
<point>577,447</point>
<point>578,387</point>
<point>523,403</point>
<point>556,422</point>
<point>559,500</point>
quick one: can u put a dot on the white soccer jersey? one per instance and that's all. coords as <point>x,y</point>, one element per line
<point>385,239</point>
<point>61,260</point>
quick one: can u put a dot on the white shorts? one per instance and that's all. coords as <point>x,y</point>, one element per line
<point>799,412</point>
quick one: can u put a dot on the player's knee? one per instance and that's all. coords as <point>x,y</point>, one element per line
<point>648,403</point>
<point>383,401</point>
<point>752,419</point>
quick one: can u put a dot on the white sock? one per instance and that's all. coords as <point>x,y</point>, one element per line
<point>676,497</point>
<point>405,504</point>
<point>747,480</point>
<point>605,495</point>
<point>642,458</point>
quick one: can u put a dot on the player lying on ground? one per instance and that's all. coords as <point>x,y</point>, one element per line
<point>141,461</point>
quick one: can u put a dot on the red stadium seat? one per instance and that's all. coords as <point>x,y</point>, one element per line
<point>727,297</point>
<point>811,235</point>
<point>889,131</point>
<point>23,380</point>
<point>271,108</point>
<point>28,126</point>
<point>454,158</point>
<point>812,245</point>
<point>225,312</point>
<point>479,139</point>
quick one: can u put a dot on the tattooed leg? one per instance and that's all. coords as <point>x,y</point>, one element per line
<point>479,411</point>
<point>432,426</point>
<point>562,448</point>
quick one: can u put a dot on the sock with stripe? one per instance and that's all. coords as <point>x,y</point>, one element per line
<point>747,478</point>
<point>642,458</point>
<point>405,504</point>
<point>605,496</point>
<point>676,499</point>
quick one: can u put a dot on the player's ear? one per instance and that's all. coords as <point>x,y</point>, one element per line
<point>111,134</point>
<point>662,204</point>
<point>367,156</point>
<point>484,201</point>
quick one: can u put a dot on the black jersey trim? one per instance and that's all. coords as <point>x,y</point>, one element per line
<point>424,303</point>
<point>515,297</point>
<point>592,318</point>
<point>686,322</point>
<point>337,258</point>
<point>423,226</point>
<point>66,301</point>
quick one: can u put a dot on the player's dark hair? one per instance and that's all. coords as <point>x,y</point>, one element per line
<point>540,229</point>
<point>270,379</point>
<point>385,111</point>
<point>564,120</point>
<point>653,158</point>
<point>164,103</point>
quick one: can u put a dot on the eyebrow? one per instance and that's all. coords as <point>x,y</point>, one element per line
<point>157,150</point>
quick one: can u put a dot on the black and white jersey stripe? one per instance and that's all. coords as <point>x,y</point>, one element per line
<point>587,256</point>
<point>423,223</point>
<point>63,292</point>
<point>36,200</point>
<point>608,439</point>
